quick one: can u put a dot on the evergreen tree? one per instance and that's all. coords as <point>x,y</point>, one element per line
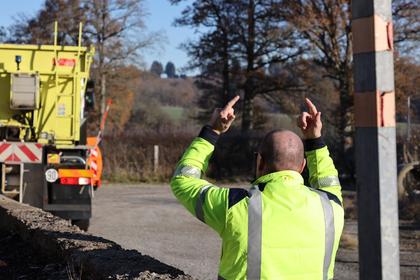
<point>156,68</point>
<point>170,70</point>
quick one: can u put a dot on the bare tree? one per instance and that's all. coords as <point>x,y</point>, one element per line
<point>265,38</point>
<point>325,26</point>
<point>3,34</point>
<point>117,29</point>
<point>250,32</point>
<point>40,28</point>
<point>212,51</point>
<point>406,20</point>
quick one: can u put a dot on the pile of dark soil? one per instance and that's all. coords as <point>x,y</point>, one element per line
<point>18,260</point>
<point>47,247</point>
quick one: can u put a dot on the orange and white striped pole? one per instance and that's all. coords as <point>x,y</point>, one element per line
<point>103,121</point>
<point>95,158</point>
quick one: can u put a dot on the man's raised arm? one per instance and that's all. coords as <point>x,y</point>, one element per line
<point>322,173</point>
<point>205,201</point>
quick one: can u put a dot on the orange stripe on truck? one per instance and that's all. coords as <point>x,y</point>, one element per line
<point>75,173</point>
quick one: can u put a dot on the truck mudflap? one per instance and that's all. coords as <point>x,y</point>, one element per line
<point>68,193</point>
<point>68,201</point>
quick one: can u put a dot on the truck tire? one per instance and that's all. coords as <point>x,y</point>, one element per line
<point>82,224</point>
<point>404,179</point>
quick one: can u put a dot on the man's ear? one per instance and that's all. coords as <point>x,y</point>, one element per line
<point>302,166</point>
<point>259,166</point>
<point>260,163</point>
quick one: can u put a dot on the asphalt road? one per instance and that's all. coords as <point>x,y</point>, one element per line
<point>149,219</point>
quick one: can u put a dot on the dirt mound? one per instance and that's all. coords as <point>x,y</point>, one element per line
<point>80,253</point>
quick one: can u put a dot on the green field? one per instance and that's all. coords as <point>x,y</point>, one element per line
<point>177,114</point>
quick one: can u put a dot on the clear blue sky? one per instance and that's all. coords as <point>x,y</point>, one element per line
<point>160,18</point>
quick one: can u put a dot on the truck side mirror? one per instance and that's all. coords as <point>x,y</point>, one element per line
<point>90,95</point>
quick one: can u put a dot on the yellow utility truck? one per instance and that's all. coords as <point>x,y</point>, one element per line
<point>46,160</point>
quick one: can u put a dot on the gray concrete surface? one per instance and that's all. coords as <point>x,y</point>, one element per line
<point>148,218</point>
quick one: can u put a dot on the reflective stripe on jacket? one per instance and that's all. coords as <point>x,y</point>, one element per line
<point>279,229</point>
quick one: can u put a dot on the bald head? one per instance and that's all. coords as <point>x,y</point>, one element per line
<point>282,150</point>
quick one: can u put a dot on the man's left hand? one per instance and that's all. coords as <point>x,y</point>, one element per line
<point>222,119</point>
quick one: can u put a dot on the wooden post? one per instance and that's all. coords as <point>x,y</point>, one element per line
<point>155,158</point>
<point>376,165</point>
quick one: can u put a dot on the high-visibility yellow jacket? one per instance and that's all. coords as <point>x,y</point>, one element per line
<point>280,228</point>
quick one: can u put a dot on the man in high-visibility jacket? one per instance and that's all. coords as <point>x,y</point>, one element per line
<point>280,228</point>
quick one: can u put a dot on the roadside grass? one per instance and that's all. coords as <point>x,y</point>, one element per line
<point>131,158</point>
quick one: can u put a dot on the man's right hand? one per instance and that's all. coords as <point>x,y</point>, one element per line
<point>310,122</point>
<point>222,119</point>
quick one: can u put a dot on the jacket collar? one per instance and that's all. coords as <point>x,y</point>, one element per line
<point>284,175</point>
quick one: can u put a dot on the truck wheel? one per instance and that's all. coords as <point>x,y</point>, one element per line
<point>82,224</point>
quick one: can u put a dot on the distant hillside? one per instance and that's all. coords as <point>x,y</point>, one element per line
<point>163,103</point>
<point>167,92</point>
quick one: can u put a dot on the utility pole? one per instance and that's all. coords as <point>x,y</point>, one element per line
<point>376,165</point>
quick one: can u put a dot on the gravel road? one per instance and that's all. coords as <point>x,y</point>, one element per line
<point>148,218</point>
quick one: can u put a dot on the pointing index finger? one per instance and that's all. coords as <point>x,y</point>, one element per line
<point>232,102</point>
<point>312,109</point>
